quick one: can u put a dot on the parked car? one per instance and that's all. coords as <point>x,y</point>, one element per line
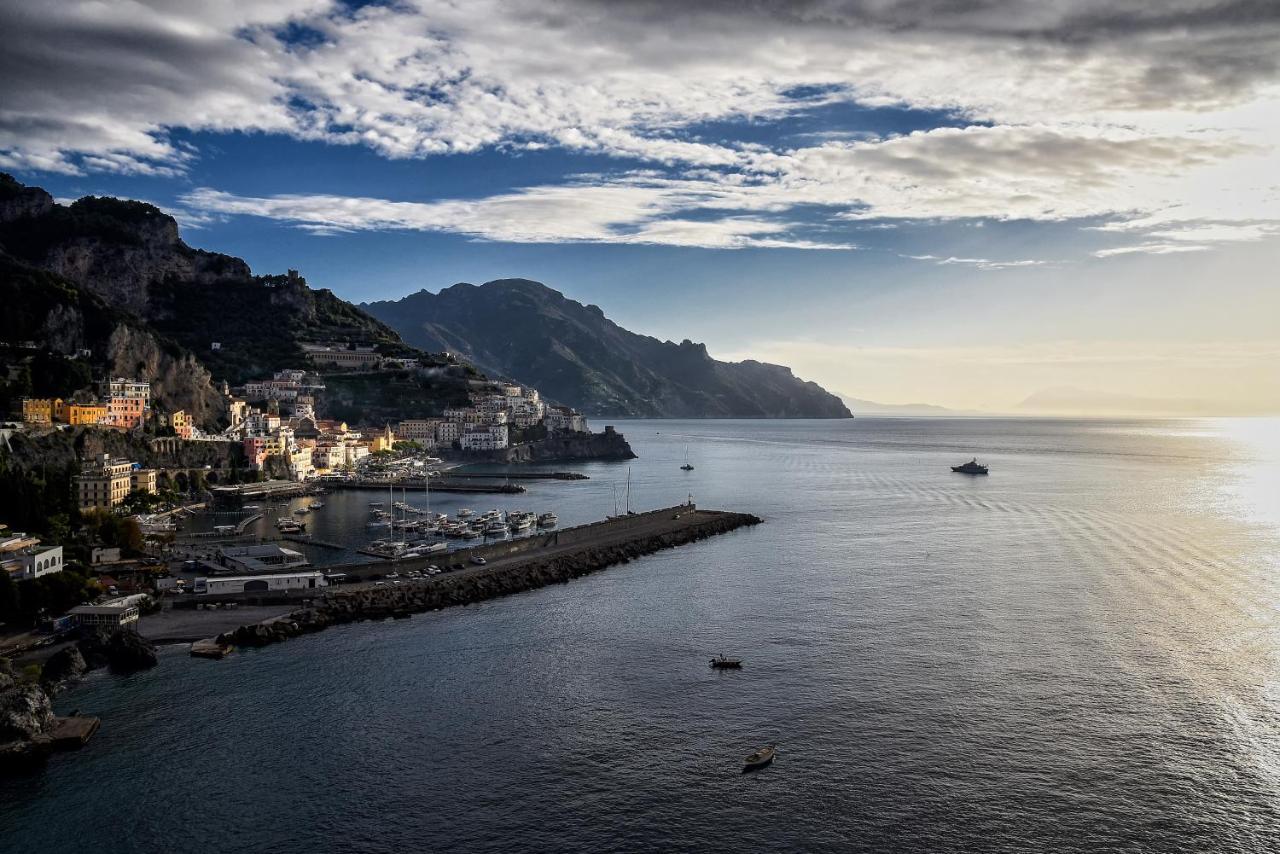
<point>478,561</point>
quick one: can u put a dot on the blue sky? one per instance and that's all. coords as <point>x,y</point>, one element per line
<point>963,204</point>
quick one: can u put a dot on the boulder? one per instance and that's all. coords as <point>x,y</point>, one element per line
<point>65,665</point>
<point>25,713</point>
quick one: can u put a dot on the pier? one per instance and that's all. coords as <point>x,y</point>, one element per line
<point>449,484</point>
<point>509,567</point>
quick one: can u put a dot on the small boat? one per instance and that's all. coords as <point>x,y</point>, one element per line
<point>316,505</point>
<point>464,513</point>
<point>759,759</point>
<point>722,663</point>
<point>548,520</point>
<point>971,467</point>
<point>686,466</point>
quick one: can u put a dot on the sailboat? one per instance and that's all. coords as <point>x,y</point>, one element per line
<point>686,466</point>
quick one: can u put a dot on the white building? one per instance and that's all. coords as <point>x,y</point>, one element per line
<point>276,581</point>
<point>448,432</point>
<point>31,561</point>
<point>123,387</point>
<point>111,615</point>
<point>564,419</point>
<point>484,437</point>
<point>259,559</point>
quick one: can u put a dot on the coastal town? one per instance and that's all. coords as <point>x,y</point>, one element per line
<point>119,554</point>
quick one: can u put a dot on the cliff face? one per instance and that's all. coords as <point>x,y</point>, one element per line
<point>115,278</point>
<point>576,355</point>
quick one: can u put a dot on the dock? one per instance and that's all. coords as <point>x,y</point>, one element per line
<point>70,733</point>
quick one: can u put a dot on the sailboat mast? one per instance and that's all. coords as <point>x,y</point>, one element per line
<point>628,490</point>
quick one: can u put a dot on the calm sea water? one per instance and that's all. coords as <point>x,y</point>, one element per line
<point>1080,652</point>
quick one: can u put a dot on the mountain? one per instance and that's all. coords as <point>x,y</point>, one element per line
<point>870,407</point>
<point>575,355</point>
<point>107,287</point>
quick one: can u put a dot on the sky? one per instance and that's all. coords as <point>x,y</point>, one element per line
<point>1004,205</point>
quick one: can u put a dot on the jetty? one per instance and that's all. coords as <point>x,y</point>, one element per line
<point>417,484</point>
<point>489,571</point>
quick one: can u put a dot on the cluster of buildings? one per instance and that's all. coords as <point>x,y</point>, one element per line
<point>123,403</point>
<point>104,483</point>
<point>276,418</point>
<point>486,424</point>
<point>23,557</point>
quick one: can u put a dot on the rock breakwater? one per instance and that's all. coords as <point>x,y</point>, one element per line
<point>554,566</point>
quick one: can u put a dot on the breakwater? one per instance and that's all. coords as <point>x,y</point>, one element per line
<point>599,546</point>
<point>445,484</point>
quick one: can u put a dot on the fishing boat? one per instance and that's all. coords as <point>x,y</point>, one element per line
<point>722,663</point>
<point>759,759</point>
<point>971,467</point>
<point>686,466</point>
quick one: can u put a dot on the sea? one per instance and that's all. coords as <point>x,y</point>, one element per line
<point>1077,653</point>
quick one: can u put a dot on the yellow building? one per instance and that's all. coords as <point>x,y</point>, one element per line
<point>86,413</point>
<point>181,424</point>
<point>143,480</point>
<point>104,483</point>
<point>385,442</point>
<point>38,410</point>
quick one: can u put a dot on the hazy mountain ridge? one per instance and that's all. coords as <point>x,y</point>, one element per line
<point>574,354</point>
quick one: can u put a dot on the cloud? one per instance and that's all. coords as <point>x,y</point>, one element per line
<point>980,263</point>
<point>637,211</point>
<point>1150,249</point>
<point>1163,113</point>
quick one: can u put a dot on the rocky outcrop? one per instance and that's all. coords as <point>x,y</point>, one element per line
<point>121,651</point>
<point>19,202</point>
<point>606,445</point>
<point>26,717</point>
<point>63,667</point>
<point>178,380</point>
<point>448,590</point>
<point>121,264</point>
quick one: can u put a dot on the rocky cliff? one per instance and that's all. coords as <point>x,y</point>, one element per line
<point>605,445</point>
<point>574,354</point>
<point>111,286</point>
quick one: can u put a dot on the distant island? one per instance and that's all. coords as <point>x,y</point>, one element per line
<point>573,353</point>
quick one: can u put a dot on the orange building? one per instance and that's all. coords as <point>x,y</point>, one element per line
<point>126,412</point>
<point>86,413</point>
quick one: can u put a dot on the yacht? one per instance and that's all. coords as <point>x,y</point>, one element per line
<point>686,466</point>
<point>971,467</point>
<point>548,520</point>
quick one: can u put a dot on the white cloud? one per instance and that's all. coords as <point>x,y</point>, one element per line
<point>1159,115</point>
<point>636,211</point>
<point>980,263</point>
<point>1150,249</point>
